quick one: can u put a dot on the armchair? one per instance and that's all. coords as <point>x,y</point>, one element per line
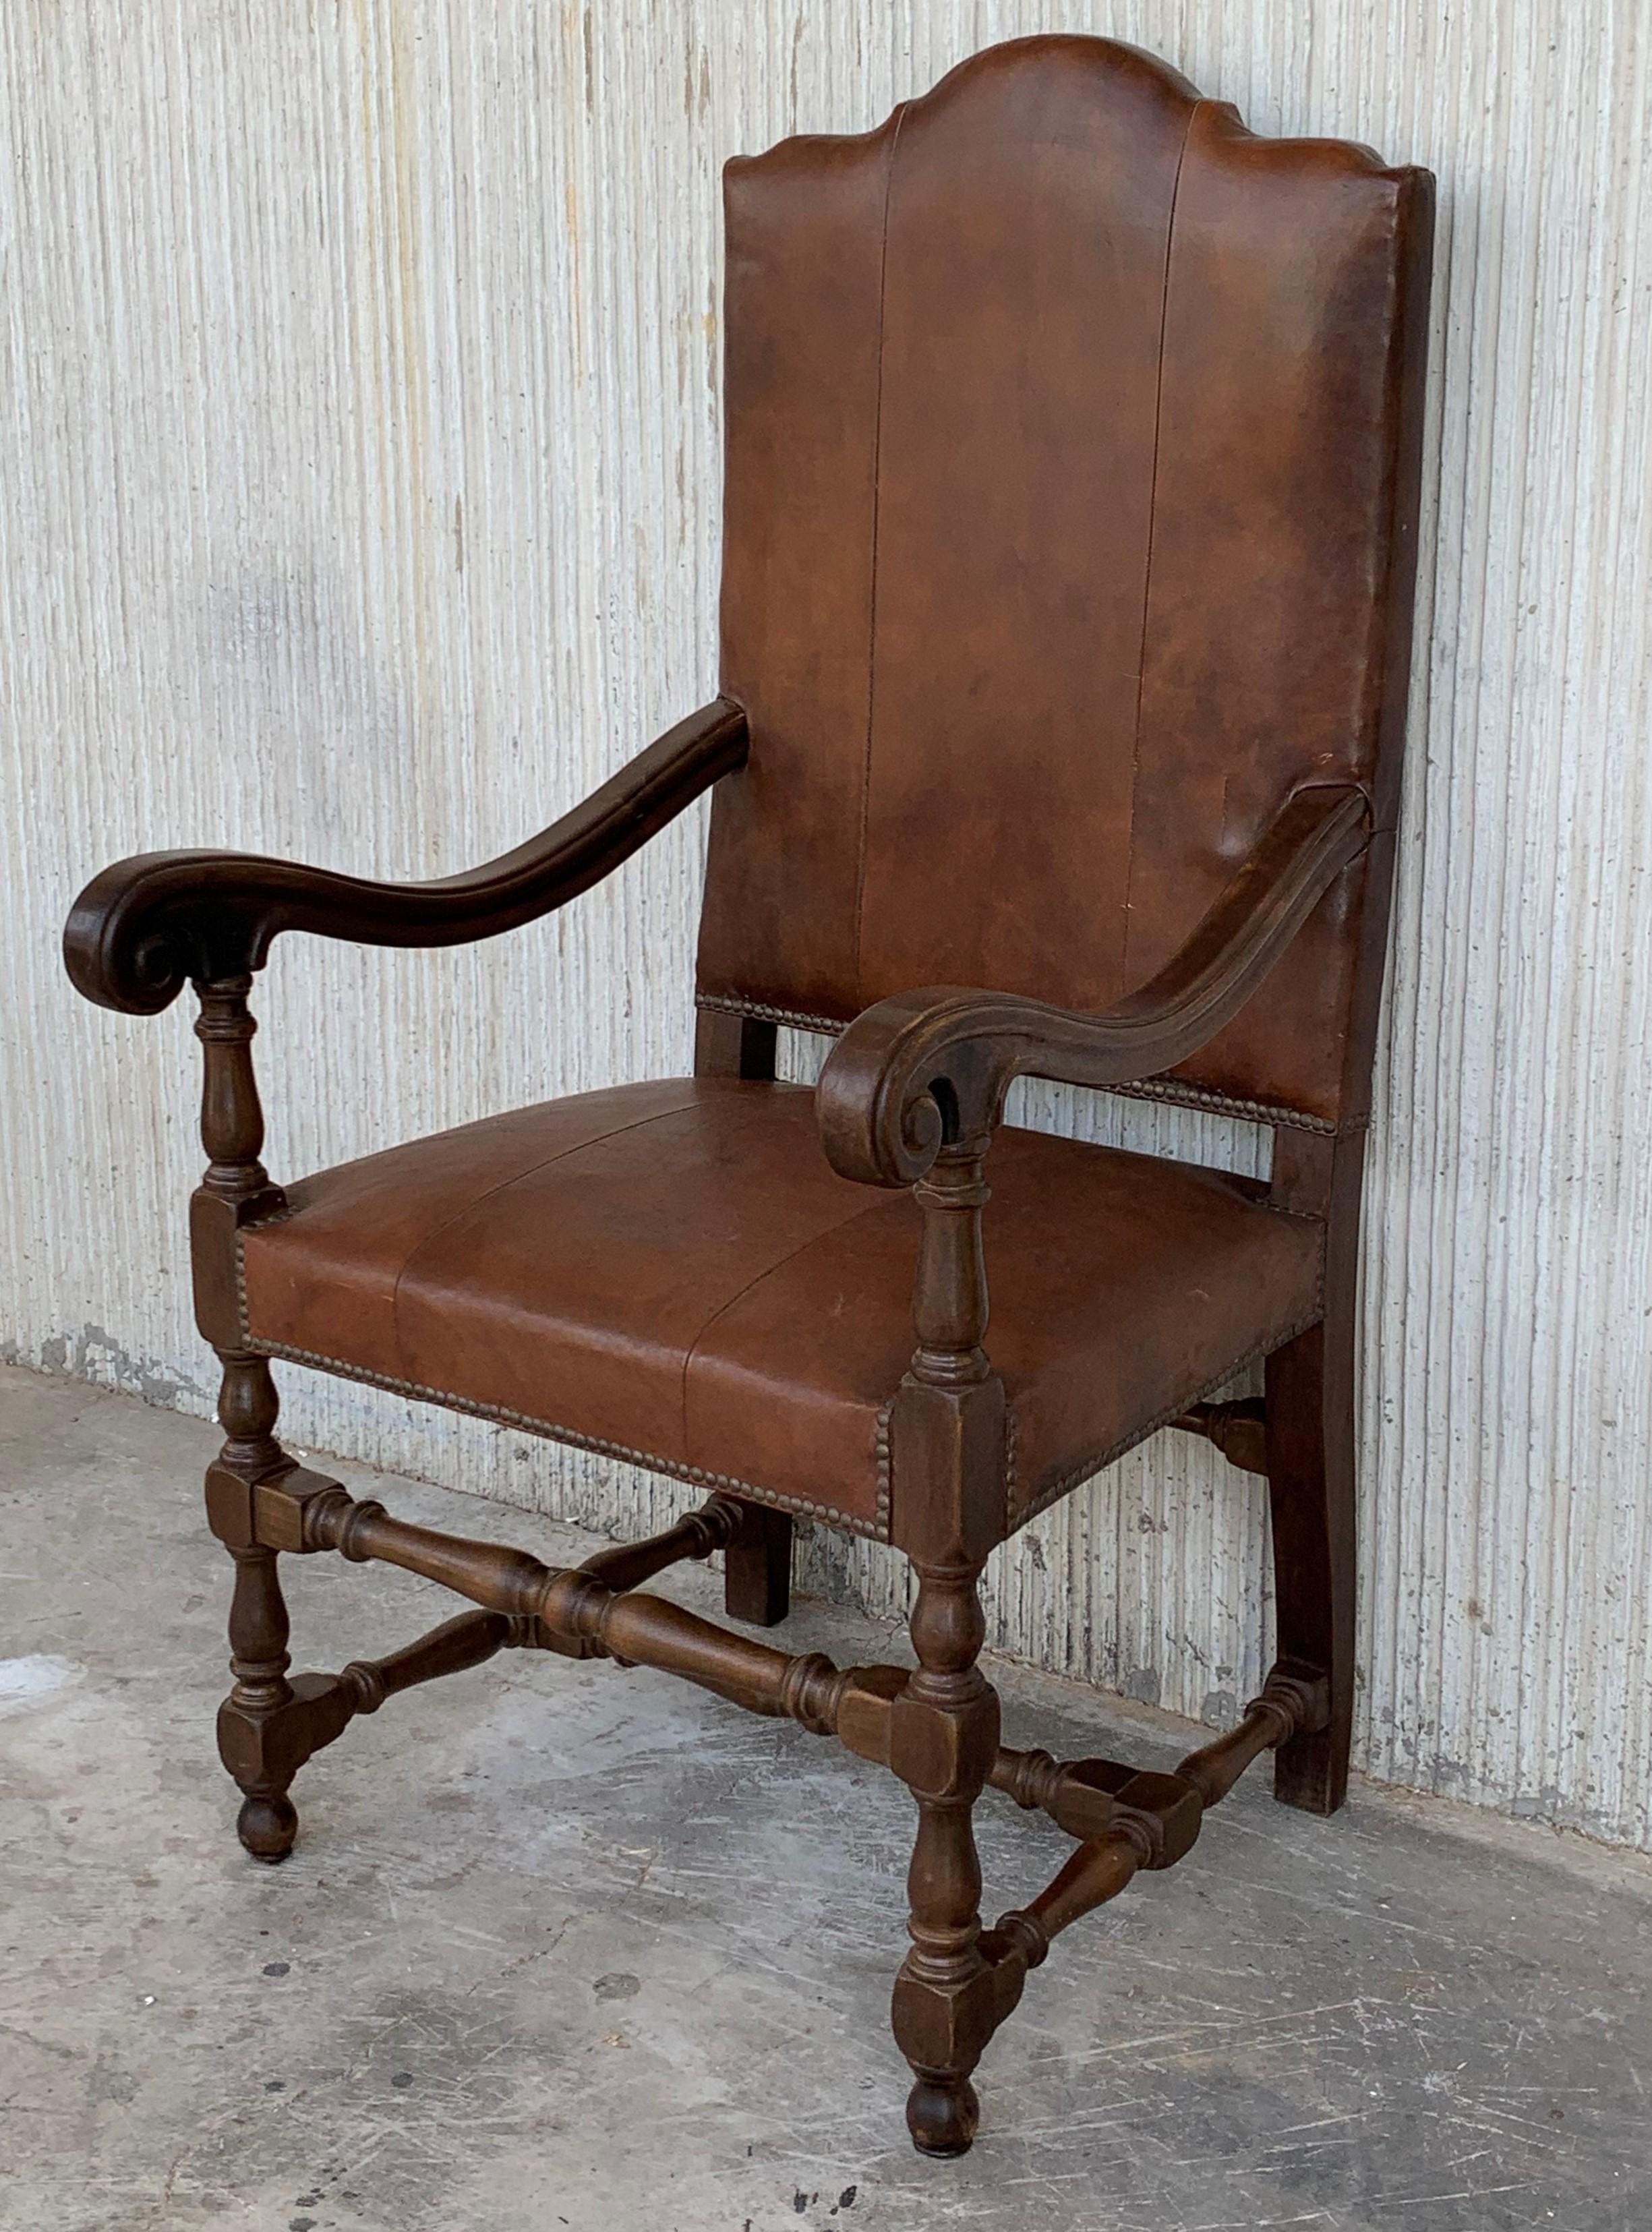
<point>1072,442</point>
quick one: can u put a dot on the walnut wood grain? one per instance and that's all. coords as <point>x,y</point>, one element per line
<point>145,926</point>
<point>757,1566</point>
<point>928,1065</point>
<point>946,1425</point>
<point>458,1644</point>
<point>264,1748</point>
<point>568,1605</point>
<point>627,1565</point>
<point>1128,1820</point>
<point>1308,1399</point>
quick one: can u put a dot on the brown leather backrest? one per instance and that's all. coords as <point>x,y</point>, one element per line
<point>1070,441</point>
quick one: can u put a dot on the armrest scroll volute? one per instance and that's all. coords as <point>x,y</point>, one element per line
<point>934,1065</point>
<point>145,927</point>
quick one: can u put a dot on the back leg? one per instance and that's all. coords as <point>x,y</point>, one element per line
<point>1311,1486</point>
<point>757,1566</point>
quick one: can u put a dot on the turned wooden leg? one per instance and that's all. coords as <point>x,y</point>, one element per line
<point>250,1718</point>
<point>268,1821</point>
<point>1310,1485</point>
<point>757,1566</point>
<point>943,1743</point>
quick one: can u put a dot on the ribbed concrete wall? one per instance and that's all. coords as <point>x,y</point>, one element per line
<point>358,501</point>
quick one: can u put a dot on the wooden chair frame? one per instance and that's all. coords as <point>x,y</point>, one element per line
<point>911,1096</point>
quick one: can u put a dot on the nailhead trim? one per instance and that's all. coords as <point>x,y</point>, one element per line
<point>878,1531</point>
<point>885,1473</point>
<point>1189,1096</point>
<point>833,1025</point>
<point>1078,1474</point>
<point>1222,1104</point>
<point>645,1458</point>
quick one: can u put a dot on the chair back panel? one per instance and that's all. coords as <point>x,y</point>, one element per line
<point>1070,440</point>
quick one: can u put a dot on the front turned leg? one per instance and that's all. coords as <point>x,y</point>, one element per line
<point>267,1821</point>
<point>947,1447</point>
<point>943,1740</point>
<point>253,1716</point>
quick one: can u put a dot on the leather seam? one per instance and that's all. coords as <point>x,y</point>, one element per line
<point>1152,522</point>
<point>504,1185</point>
<point>871,591</point>
<point>697,1475</point>
<point>867,1208</point>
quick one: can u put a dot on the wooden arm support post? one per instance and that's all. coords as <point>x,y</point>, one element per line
<point>911,1095</point>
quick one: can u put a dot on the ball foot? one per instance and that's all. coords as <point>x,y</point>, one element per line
<point>942,2114</point>
<point>267,1827</point>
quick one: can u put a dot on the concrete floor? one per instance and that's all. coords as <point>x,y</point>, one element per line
<point>561,1945</point>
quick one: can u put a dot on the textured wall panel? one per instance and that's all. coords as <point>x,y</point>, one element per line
<point>358,500</point>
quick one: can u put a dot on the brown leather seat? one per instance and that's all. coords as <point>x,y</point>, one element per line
<point>673,1270</point>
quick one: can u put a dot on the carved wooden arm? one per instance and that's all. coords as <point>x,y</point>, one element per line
<point>933,1066</point>
<point>145,926</point>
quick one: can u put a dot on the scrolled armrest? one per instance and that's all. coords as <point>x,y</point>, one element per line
<point>932,1065</point>
<point>143,927</point>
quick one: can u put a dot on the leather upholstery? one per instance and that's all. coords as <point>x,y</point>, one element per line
<point>1065,533</point>
<point>1071,440</point>
<point>675,1271</point>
